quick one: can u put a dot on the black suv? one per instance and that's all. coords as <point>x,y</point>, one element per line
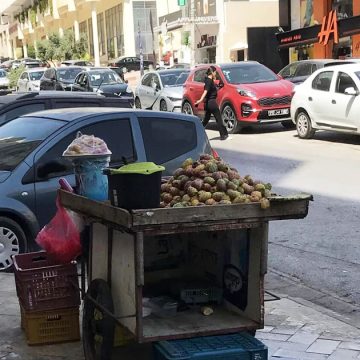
<point>59,78</point>
<point>15,105</point>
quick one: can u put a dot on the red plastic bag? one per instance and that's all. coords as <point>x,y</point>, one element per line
<point>61,236</point>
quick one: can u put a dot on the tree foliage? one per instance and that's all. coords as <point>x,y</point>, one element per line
<point>14,75</point>
<point>62,48</point>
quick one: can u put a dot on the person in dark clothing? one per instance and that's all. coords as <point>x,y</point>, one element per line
<point>211,107</point>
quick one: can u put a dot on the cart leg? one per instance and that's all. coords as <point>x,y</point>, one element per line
<point>98,326</point>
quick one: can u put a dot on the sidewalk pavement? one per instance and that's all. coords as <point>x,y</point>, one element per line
<point>293,330</point>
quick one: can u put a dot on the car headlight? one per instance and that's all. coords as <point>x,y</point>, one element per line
<point>174,98</point>
<point>246,93</point>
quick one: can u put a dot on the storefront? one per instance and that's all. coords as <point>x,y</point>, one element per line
<point>322,29</point>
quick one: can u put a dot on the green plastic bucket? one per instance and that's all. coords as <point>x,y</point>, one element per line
<point>135,186</point>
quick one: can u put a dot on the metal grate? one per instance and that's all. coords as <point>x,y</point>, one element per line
<point>269,101</point>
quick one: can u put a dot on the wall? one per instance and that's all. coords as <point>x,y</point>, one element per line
<point>238,16</point>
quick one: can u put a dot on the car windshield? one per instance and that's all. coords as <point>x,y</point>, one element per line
<point>98,78</point>
<point>36,75</point>
<point>174,79</point>
<point>248,74</point>
<point>357,73</point>
<point>68,74</point>
<point>19,137</point>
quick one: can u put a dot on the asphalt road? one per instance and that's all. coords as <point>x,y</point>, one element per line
<point>321,251</point>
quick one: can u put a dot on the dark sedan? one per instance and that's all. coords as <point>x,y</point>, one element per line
<point>59,78</point>
<point>32,163</point>
<point>102,81</point>
<point>130,63</point>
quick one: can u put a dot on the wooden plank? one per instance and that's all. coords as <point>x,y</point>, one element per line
<point>289,207</point>
<point>95,209</point>
<point>192,323</point>
<point>123,287</point>
<point>278,210</point>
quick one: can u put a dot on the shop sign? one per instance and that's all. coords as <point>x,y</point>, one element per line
<point>199,20</point>
<point>329,26</point>
<point>291,39</point>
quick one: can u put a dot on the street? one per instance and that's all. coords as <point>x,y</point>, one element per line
<point>321,251</point>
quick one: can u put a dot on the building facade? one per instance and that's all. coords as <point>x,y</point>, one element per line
<point>320,29</point>
<point>211,30</point>
<point>113,27</point>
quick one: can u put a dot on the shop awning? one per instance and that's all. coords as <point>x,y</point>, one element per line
<point>239,46</point>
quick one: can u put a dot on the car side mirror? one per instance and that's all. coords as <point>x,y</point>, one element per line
<point>351,91</point>
<point>50,167</point>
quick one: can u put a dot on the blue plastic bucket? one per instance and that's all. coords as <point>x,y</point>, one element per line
<point>90,180</point>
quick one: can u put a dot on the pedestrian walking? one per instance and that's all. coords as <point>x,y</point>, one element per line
<point>211,107</point>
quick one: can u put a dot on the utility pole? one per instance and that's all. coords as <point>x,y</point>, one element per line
<point>140,52</point>
<point>192,24</point>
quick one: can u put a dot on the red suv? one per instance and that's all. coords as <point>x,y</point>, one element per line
<point>252,94</point>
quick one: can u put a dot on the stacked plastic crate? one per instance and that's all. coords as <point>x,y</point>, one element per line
<point>49,298</point>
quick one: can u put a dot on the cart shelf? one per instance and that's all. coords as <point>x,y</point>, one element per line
<point>173,219</point>
<point>193,323</point>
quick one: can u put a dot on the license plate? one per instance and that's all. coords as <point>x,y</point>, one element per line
<point>278,112</point>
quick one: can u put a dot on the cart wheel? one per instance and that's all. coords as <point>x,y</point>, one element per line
<point>98,327</point>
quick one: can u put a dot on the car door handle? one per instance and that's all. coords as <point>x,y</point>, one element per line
<point>310,98</point>
<point>333,101</point>
<point>191,89</point>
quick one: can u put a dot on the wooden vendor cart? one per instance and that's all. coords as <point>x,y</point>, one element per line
<point>144,253</point>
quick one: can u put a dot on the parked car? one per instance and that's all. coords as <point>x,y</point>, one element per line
<point>102,80</point>
<point>4,80</point>
<point>130,63</point>
<point>7,65</point>
<point>161,90</point>
<point>251,94</point>
<point>328,100</point>
<point>77,63</point>
<point>31,168</point>
<point>298,71</point>
<point>17,104</point>
<point>29,80</point>
<point>181,66</point>
<point>120,71</point>
<point>59,78</point>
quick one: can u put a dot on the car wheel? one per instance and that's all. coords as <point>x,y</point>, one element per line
<point>187,109</point>
<point>137,103</point>
<point>303,125</point>
<point>288,124</point>
<point>12,242</point>
<point>229,120</point>
<point>163,106</point>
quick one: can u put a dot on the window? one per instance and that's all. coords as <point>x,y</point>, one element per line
<point>116,133</point>
<point>304,69</point>
<point>20,137</point>
<point>70,103</point>
<point>200,76</point>
<point>100,24</point>
<point>155,80</point>
<point>91,37</point>
<point>323,81</point>
<point>144,19</point>
<point>24,76</point>
<point>49,73</point>
<point>313,68</point>
<point>166,139</point>
<point>21,110</point>
<point>288,71</point>
<point>114,31</point>
<point>343,82</point>
<point>146,81</point>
